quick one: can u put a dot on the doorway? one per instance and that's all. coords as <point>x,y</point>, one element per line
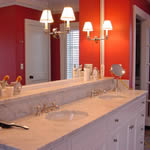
<point>141,46</point>
<point>37,53</point>
<point>138,55</point>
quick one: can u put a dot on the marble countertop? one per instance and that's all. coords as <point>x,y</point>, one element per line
<point>43,131</point>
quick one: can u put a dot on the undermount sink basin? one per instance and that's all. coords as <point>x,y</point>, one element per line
<point>111,96</point>
<point>66,115</point>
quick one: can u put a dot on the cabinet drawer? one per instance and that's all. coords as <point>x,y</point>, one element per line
<point>123,115</point>
<point>141,118</point>
<point>139,144</point>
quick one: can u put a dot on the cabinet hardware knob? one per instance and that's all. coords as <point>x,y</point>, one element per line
<point>142,115</point>
<point>131,127</point>
<point>142,129</point>
<point>115,140</point>
<point>143,102</point>
<point>141,142</point>
<point>116,120</point>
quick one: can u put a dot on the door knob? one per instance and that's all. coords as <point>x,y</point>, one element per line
<point>31,77</point>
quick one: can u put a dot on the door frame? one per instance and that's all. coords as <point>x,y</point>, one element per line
<point>36,23</point>
<point>145,18</point>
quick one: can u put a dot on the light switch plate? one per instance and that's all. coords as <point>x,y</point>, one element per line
<point>21,66</point>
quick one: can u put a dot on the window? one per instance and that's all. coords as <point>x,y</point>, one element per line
<point>72,51</point>
<point>69,50</point>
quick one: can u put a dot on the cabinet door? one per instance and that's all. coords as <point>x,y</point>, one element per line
<point>61,146</point>
<point>140,124</point>
<point>113,141</point>
<point>131,134</point>
<point>123,138</point>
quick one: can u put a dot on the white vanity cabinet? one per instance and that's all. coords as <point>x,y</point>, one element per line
<point>63,145</point>
<point>122,129</point>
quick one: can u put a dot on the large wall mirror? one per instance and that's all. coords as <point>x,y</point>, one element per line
<point>26,50</point>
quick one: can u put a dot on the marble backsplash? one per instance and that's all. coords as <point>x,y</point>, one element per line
<point>18,107</point>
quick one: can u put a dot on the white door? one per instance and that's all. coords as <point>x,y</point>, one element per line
<point>37,53</point>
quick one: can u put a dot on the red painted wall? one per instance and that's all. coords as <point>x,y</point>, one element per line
<point>8,42</point>
<point>22,13</point>
<point>12,39</point>
<point>119,47</point>
<point>89,50</point>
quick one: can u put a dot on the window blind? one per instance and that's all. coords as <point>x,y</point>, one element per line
<point>72,51</point>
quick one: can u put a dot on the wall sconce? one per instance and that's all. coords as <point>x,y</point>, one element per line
<point>67,15</point>
<point>89,28</point>
<point>46,18</point>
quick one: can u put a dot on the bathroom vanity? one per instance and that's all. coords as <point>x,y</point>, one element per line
<point>111,122</point>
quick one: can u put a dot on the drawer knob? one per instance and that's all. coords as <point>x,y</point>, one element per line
<point>115,140</point>
<point>131,127</point>
<point>143,102</point>
<point>116,120</point>
<point>141,142</point>
<point>142,129</point>
<point>142,115</point>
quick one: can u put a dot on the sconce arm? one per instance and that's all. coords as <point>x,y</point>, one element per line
<point>96,39</point>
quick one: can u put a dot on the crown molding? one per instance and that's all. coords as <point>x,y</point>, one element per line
<point>34,4</point>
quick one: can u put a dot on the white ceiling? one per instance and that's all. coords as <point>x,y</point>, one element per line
<point>54,5</point>
<point>58,5</point>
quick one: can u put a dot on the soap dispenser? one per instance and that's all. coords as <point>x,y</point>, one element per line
<point>80,71</point>
<point>86,74</point>
<point>17,85</point>
<point>4,82</point>
<point>74,72</point>
<point>95,73</point>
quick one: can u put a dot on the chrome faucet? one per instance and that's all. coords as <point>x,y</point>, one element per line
<point>97,92</point>
<point>45,108</point>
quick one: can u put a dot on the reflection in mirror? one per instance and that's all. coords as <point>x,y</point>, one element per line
<point>28,51</point>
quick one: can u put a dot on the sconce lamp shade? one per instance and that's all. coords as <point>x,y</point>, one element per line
<point>88,27</point>
<point>46,16</point>
<point>107,25</point>
<point>68,14</point>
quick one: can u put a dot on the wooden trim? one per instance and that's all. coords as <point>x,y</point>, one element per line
<point>142,15</point>
<point>102,48</point>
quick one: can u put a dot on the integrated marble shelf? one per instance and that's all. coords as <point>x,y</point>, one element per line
<point>47,87</point>
<point>60,92</point>
<point>47,132</point>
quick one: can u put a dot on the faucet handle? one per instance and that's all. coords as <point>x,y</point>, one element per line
<point>38,110</point>
<point>93,92</point>
<point>55,105</point>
